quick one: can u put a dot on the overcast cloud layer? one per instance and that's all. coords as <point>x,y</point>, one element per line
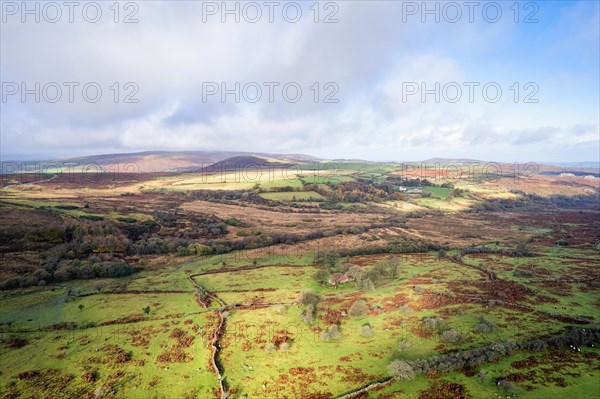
<point>371,55</point>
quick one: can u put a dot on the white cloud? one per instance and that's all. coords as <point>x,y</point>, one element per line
<point>369,54</point>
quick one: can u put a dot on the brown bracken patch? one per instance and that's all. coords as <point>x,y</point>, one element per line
<point>440,389</point>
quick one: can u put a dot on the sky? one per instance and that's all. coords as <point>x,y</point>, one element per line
<point>376,80</point>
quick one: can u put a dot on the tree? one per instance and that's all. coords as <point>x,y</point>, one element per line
<point>307,298</point>
<point>80,307</point>
<point>522,249</point>
<point>441,253</point>
<point>330,259</point>
<point>367,284</point>
<point>380,268</point>
<point>401,370</point>
<point>146,310</point>
<point>358,308</point>
<point>321,276</point>
<point>354,272</point>
<point>393,266</point>
<point>374,274</point>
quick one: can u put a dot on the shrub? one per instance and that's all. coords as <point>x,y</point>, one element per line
<point>127,219</point>
<point>451,336</point>
<point>481,377</point>
<point>366,330</point>
<point>358,308</point>
<point>378,271</point>
<point>309,314</point>
<point>506,386</point>
<point>90,376</point>
<point>375,274</point>
<point>484,325</point>
<point>52,234</point>
<point>401,370</point>
<point>285,346</point>
<point>281,309</point>
<point>15,342</point>
<point>354,272</point>
<point>307,298</point>
<point>199,249</point>
<point>94,218</point>
<point>331,333</point>
<point>522,273</point>
<point>433,323</point>
<point>114,269</point>
<point>405,309</point>
<point>182,251</point>
<point>522,249</point>
<point>403,345</point>
<point>367,284</point>
<point>236,222</point>
<point>483,328</point>
<point>270,347</point>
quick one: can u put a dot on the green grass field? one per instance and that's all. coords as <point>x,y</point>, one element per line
<point>438,192</point>
<point>293,196</point>
<point>311,365</point>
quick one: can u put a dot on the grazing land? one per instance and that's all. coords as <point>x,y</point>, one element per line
<point>281,277</point>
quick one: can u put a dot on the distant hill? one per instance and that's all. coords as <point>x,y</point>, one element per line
<point>178,161</point>
<point>250,162</point>
<point>542,167</point>
<point>183,161</point>
<point>460,161</point>
<point>576,165</point>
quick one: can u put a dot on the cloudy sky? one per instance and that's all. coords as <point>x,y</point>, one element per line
<point>378,80</point>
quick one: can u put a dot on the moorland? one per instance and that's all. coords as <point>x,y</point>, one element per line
<point>266,276</point>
